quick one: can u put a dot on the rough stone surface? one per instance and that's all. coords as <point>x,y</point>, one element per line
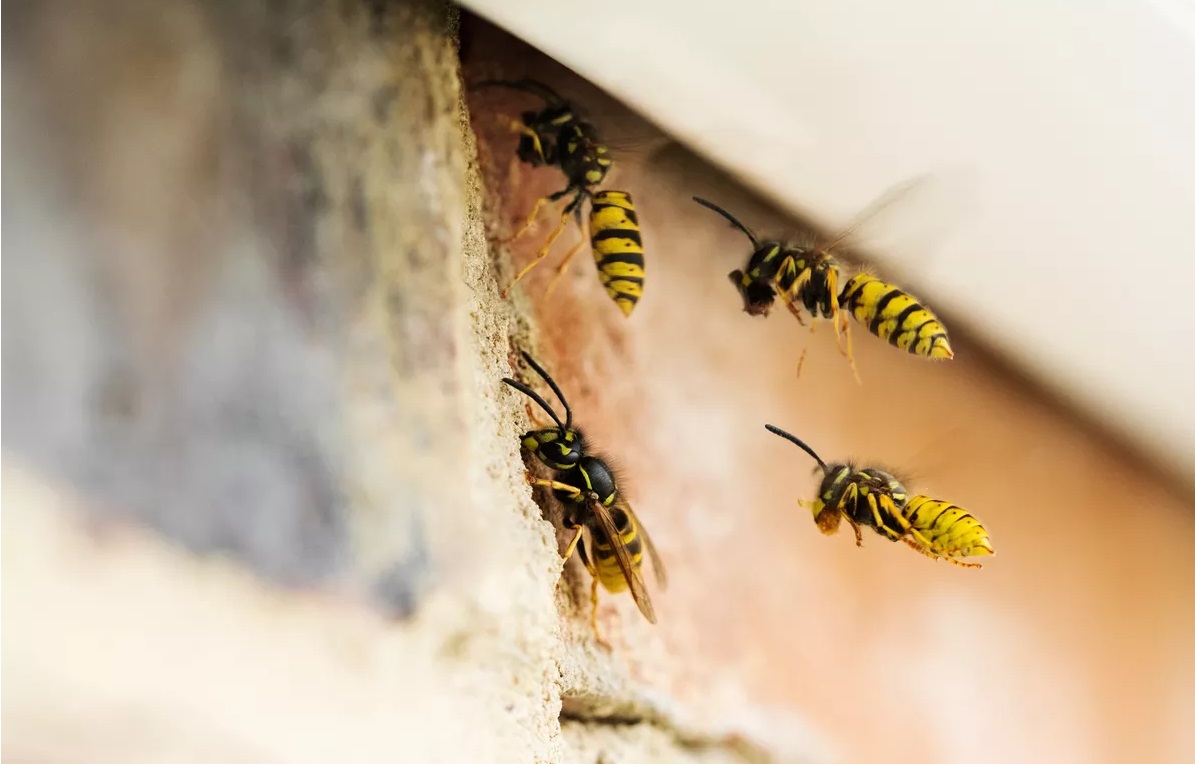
<point>252,309</point>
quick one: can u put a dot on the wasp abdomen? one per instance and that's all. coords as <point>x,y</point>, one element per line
<point>894,315</point>
<point>605,562</point>
<point>617,247</point>
<point>950,530</point>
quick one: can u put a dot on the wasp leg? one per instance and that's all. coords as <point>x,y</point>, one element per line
<point>555,485</point>
<point>856,528</point>
<point>962,564</point>
<point>850,497</point>
<point>805,350</point>
<point>593,614</point>
<point>925,550</point>
<point>541,254</point>
<point>521,128</point>
<point>842,330</point>
<point>933,554</point>
<point>796,311</point>
<point>874,504</point>
<point>560,269</point>
<point>920,539</point>
<point>528,222</point>
<point>801,360</point>
<point>790,295</point>
<point>792,308</point>
<point>572,545</point>
<point>569,209</point>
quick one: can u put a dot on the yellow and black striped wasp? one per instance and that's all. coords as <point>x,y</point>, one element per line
<point>875,498</point>
<point>587,488</point>
<point>809,277</point>
<point>557,136</point>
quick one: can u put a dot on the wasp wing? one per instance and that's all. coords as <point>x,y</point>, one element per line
<point>656,564</point>
<point>629,571</point>
<point>622,133</point>
<point>914,215</point>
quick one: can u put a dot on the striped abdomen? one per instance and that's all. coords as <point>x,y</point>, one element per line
<point>604,562</point>
<point>617,247</point>
<point>951,531</point>
<point>892,314</point>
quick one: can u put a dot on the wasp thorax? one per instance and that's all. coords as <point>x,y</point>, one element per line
<point>820,294</point>
<point>599,478</point>
<point>559,449</point>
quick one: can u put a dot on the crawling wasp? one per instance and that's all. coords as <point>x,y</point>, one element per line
<point>557,136</point>
<point>875,498</point>
<point>588,489</point>
<point>809,277</point>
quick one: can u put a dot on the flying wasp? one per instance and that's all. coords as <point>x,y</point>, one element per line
<point>875,498</point>
<point>808,277</point>
<point>557,136</point>
<point>587,488</point>
<point>801,276</point>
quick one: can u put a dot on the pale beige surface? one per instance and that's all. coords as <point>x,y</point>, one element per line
<point>119,648</point>
<point>1075,643</point>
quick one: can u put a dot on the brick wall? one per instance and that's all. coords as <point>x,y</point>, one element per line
<point>263,493</point>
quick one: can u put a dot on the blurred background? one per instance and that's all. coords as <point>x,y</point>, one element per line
<point>262,493</point>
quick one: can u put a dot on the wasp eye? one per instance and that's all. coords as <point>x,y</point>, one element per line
<point>561,452</point>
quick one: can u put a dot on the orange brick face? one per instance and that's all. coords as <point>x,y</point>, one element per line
<point>1070,642</point>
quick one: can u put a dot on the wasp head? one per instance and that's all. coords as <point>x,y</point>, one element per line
<point>558,448</point>
<point>826,518</point>
<point>828,507</point>
<point>758,295</point>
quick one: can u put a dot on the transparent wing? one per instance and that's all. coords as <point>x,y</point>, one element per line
<point>623,132</point>
<point>913,214</point>
<point>656,564</point>
<point>625,564</point>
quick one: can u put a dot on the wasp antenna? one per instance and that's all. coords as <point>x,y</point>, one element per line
<point>794,439</point>
<point>568,412</point>
<point>535,397</point>
<point>731,218</point>
<point>526,85</point>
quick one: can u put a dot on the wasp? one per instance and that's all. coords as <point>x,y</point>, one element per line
<point>809,276</point>
<point>875,498</point>
<point>801,276</point>
<point>587,488</point>
<point>557,136</point>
